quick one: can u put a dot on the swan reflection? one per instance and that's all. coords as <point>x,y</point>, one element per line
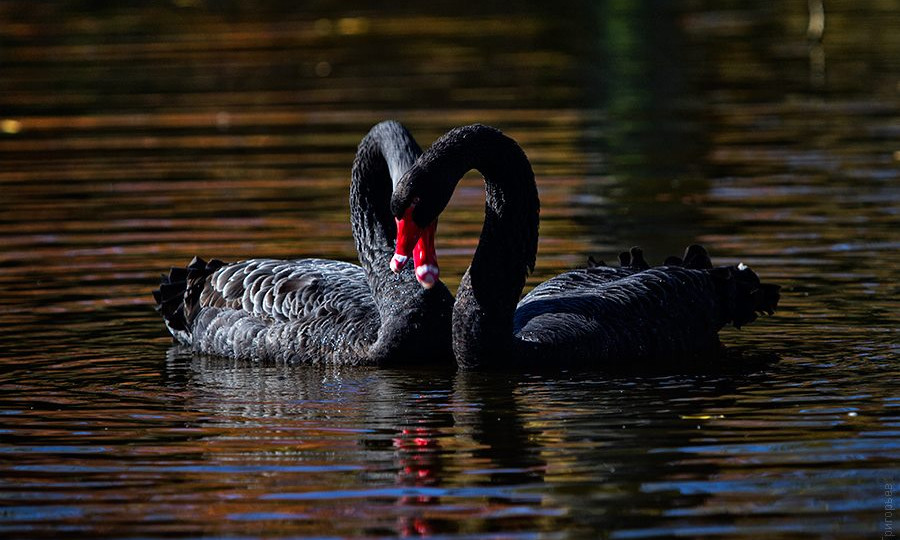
<point>419,451</point>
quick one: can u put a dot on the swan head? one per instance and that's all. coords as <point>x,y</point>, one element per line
<point>421,195</point>
<point>418,242</point>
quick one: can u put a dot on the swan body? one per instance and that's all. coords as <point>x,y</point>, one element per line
<point>592,317</point>
<point>316,310</point>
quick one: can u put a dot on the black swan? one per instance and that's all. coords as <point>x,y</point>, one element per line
<point>593,317</point>
<point>322,311</point>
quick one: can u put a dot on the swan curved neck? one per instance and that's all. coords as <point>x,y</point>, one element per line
<point>384,154</point>
<point>491,288</point>
<point>413,319</point>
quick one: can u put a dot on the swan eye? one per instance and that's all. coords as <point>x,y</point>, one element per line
<point>414,202</point>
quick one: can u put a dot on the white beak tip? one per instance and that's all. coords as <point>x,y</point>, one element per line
<point>398,262</point>
<point>427,274</point>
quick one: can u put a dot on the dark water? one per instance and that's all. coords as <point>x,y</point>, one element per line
<point>136,135</point>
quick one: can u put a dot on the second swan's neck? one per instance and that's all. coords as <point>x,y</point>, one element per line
<point>490,289</point>
<point>412,319</point>
<point>384,154</point>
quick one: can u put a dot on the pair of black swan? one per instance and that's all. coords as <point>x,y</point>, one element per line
<point>319,311</point>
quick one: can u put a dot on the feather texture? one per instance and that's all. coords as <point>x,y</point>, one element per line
<point>594,317</point>
<point>316,310</point>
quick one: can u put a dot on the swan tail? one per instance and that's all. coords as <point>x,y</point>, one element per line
<point>592,262</point>
<point>178,295</point>
<point>743,296</point>
<point>633,259</point>
<point>746,296</point>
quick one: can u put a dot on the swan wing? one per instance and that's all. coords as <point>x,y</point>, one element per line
<point>575,281</point>
<point>649,313</point>
<point>306,310</point>
<point>290,290</point>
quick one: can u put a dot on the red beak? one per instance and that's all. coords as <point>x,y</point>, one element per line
<point>418,242</point>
